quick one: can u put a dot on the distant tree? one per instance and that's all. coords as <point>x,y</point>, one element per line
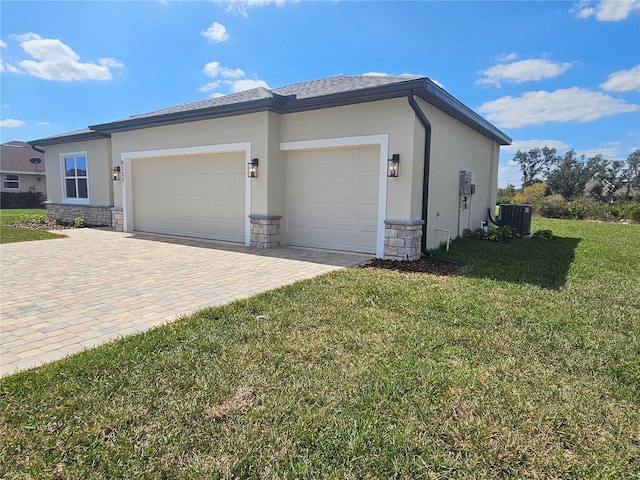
<point>531,194</point>
<point>631,174</point>
<point>608,177</point>
<point>505,195</point>
<point>535,164</point>
<point>569,176</point>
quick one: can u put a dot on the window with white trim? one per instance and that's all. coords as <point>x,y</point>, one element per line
<point>11,181</point>
<point>76,181</point>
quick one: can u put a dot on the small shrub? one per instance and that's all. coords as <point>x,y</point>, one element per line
<point>575,209</point>
<point>39,219</point>
<point>543,234</point>
<point>494,234</point>
<point>79,222</point>
<point>634,212</point>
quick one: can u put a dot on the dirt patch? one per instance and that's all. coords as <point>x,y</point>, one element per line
<point>424,265</point>
<point>239,403</point>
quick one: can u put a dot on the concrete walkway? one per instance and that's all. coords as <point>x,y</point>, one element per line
<point>61,296</point>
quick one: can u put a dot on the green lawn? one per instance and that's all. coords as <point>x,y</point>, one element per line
<point>525,365</point>
<point>10,234</point>
<point>12,215</point>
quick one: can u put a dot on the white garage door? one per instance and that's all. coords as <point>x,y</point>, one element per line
<point>332,199</point>
<point>199,196</point>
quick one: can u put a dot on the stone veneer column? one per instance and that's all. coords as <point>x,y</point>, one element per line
<point>117,219</point>
<point>265,231</point>
<point>402,239</point>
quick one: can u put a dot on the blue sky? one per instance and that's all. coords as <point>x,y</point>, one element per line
<point>564,74</point>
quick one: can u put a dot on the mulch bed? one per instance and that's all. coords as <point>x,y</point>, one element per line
<point>424,265</point>
<point>39,226</point>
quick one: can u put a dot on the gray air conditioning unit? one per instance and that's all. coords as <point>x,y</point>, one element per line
<point>516,216</point>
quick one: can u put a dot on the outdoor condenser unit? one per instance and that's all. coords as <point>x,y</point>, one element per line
<point>516,216</point>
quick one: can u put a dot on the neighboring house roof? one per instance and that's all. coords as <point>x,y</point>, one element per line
<point>15,157</point>
<point>311,95</point>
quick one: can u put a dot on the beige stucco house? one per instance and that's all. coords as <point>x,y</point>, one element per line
<point>309,164</point>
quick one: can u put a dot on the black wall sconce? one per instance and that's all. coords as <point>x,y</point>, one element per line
<point>115,174</point>
<point>393,164</point>
<point>252,171</point>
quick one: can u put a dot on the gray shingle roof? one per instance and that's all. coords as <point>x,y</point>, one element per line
<point>15,157</point>
<point>311,89</point>
<point>314,94</point>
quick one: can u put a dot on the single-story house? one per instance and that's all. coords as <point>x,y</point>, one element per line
<point>22,169</point>
<point>386,165</point>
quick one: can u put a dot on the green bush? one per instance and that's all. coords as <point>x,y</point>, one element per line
<point>494,234</point>
<point>543,234</point>
<point>39,219</point>
<point>79,222</point>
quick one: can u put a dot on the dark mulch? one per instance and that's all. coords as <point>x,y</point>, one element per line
<point>39,226</point>
<point>424,265</point>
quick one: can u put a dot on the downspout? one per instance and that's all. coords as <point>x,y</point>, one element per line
<point>36,149</point>
<point>427,163</point>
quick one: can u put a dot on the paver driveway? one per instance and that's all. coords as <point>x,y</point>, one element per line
<point>61,296</point>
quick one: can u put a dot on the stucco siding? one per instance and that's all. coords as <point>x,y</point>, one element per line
<point>98,169</point>
<point>456,147</point>
<point>251,128</point>
<point>393,117</point>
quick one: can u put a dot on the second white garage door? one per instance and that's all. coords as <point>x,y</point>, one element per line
<point>199,196</point>
<point>332,198</point>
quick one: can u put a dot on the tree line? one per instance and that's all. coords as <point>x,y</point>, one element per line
<point>573,176</point>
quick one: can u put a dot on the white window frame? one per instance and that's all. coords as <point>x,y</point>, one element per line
<point>6,180</point>
<point>74,200</point>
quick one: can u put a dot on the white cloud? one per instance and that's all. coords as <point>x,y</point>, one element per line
<point>566,105</point>
<point>441,85</point>
<point>242,6</point>
<point>376,74</point>
<point>606,10</point>
<point>522,71</point>
<point>526,145</point>
<point>508,57</point>
<point>216,33</point>
<point>247,84</point>
<point>58,62</point>
<point>509,173</point>
<point>234,76</point>
<point>6,67</point>
<point>210,86</point>
<point>2,44</point>
<point>214,69</point>
<point>43,124</point>
<point>11,123</point>
<point>610,151</point>
<point>623,81</point>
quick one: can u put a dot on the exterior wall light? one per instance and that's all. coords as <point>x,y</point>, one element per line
<point>252,171</point>
<point>393,164</point>
<point>115,174</point>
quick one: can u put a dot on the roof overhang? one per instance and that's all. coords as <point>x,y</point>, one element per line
<point>281,104</point>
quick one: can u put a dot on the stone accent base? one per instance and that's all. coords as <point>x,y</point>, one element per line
<point>265,231</point>
<point>402,239</point>
<point>117,219</point>
<point>94,216</point>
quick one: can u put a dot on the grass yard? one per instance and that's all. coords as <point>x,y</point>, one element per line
<point>9,234</point>
<point>524,365</point>
<point>12,215</point>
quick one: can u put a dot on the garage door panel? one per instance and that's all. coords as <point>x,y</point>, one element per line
<point>332,199</point>
<point>197,196</point>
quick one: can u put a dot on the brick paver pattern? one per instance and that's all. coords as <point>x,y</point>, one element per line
<point>61,296</point>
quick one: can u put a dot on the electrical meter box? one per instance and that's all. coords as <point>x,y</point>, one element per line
<point>465,183</point>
